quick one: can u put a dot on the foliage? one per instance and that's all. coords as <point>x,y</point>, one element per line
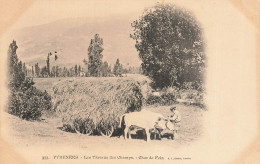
<point>173,95</point>
<point>194,97</point>
<point>105,70</point>
<point>118,68</point>
<point>29,103</point>
<point>24,69</point>
<point>94,55</point>
<point>48,64</point>
<point>25,100</point>
<point>37,70</point>
<point>163,99</point>
<point>16,75</point>
<point>79,69</point>
<point>76,70</point>
<point>152,99</point>
<point>32,72</point>
<point>57,71</point>
<point>44,72</point>
<point>170,45</point>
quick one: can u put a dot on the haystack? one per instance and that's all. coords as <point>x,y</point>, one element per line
<point>95,104</point>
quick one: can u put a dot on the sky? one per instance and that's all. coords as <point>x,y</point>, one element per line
<point>47,11</point>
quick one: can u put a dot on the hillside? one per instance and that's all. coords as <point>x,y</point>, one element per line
<point>71,37</point>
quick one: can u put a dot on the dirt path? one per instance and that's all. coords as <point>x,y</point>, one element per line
<point>47,132</point>
<point>35,139</point>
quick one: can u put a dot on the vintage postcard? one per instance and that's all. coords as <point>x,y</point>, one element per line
<point>130,81</point>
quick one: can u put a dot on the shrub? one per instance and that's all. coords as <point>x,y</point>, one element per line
<point>171,95</point>
<point>194,97</point>
<point>25,100</point>
<point>29,104</point>
<point>168,96</point>
<point>152,99</point>
<point>164,99</point>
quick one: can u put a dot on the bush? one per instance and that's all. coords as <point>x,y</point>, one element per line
<point>171,95</point>
<point>152,99</point>
<point>164,99</point>
<point>25,100</point>
<point>29,104</point>
<point>194,97</point>
<point>168,98</point>
<point>188,94</point>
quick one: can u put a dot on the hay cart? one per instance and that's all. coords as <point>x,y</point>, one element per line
<point>103,132</point>
<point>94,105</point>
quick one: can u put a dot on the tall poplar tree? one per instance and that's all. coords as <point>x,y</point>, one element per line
<point>95,56</point>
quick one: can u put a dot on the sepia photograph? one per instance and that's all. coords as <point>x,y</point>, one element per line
<point>130,82</point>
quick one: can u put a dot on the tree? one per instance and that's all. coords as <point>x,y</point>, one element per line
<point>44,72</point>
<point>56,56</point>
<point>24,69</point>
<point>76,70</point>
<point>53,69</point>
<point>105,70</point>
<point>48,64</point>
<point>12,58</point>
<point>37,70</point>
<point>94,56</point>
<point>16,75</point>
<point>64,72</point>
<point>58,71</point>
<point>170,45</point>
<point>79,69</point>
<point>56,67</point>
<point>32,72</point>
<point>118,68</point>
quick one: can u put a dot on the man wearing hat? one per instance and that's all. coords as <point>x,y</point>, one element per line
<point>174,121</point>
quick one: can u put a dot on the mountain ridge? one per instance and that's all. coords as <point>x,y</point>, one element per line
<point>71,37</point>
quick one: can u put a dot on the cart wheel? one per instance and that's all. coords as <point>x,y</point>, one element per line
<point>107,132</point>
<point>77,131</point>
<point>87,132</point>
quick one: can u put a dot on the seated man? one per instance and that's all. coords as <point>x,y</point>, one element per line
<point>158,128</point>
<point>175,119</point>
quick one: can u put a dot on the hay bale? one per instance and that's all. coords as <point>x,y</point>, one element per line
<point>95,103</point>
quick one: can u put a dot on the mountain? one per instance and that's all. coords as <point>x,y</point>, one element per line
<point>71,38</point>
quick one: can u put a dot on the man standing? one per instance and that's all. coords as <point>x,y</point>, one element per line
<point>175,119</point>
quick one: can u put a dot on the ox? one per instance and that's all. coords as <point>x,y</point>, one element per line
<point>144,119</point>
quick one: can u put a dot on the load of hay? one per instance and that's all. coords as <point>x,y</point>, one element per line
<point>95,104</point>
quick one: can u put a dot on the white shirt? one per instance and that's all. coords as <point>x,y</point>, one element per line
<point>176,117</point>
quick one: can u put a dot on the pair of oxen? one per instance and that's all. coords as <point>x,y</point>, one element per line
<point>149,122</point>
